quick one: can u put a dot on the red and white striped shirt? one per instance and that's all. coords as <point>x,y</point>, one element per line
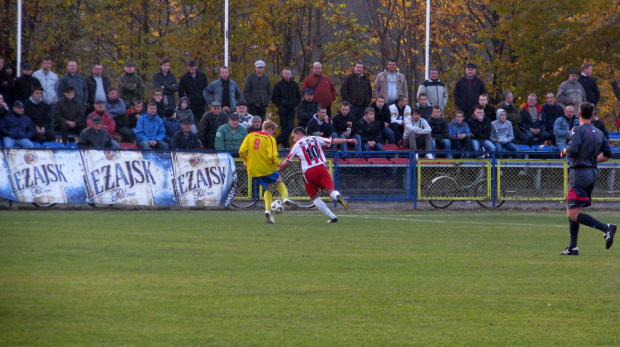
<point>309,150</point>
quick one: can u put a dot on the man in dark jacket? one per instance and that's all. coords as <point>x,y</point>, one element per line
<point>97,85</point>
<point>343,123</point>
<point>307,108</point>
<point>356,90</point>
<point>383,117</point>
<point>589,84</point>
<point>25,84</point>
<point>480,128</point>
<point>191,85</point>
<point>321,125</point>
<point>369,131</point>
<point>69,114</point>
<point>185,138</point>
<point>286,96</point>
<point>549,113</point>
<point>41,115</point>
<point>439,131</point>
<point>167,82</point>
<point>531,122</point>
<point>95,137</point>
<point>257,90</point>
<point>17,128</point>
<point>210,122</point>
<point>467,90</point>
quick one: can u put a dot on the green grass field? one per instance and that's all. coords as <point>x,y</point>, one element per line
<point>194,278</point>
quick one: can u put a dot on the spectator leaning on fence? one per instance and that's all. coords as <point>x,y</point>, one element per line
<point>439,131</point>
<point>417,129</point>
<point>434,89</point>
<point>459,133</point>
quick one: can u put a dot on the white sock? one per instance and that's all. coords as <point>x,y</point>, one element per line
<point>323,208</point>
<point>334,194</point>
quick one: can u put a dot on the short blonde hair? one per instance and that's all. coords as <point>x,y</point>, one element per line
<point>268,124</point>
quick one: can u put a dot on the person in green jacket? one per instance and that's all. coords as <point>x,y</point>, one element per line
<point>230,136</point>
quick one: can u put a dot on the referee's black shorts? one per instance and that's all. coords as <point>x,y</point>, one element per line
<point>581,182</point>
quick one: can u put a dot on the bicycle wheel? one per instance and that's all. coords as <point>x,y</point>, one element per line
<point>43,204</point>
<point>481,189</point>
<point>242,199</point>
<point>442,190</point>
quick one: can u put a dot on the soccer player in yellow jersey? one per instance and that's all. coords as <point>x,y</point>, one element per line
<point>260,154</point>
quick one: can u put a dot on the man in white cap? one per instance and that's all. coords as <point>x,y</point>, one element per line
<point>257,90</point>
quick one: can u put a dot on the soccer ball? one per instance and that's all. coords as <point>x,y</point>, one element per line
<point>277,206</point>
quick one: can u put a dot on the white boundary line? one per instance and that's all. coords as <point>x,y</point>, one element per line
<point>444,221</point>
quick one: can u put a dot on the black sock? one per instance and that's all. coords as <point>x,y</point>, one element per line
<point>587,220</point>
<point>573,227</point>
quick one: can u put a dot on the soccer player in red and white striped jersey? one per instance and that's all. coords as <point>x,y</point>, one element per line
<point>309,150</point>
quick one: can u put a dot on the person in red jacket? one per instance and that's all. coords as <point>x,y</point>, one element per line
<point>322,85</point>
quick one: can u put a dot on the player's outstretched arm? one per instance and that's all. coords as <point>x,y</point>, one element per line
<point>283,165</point>
<point>338,141</point>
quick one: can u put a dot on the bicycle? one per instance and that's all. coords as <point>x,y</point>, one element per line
<point>451,185</point>
<point>293,177</point>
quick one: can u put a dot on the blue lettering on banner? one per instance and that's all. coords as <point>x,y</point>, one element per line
<point>38,175</point>
<point>106,178</point>
<point>202,178</point>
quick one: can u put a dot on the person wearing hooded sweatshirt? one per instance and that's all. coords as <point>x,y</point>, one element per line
<point>184,112</point>
<point>502,134</point>
<point>563,126</point>
<point>459,133</point>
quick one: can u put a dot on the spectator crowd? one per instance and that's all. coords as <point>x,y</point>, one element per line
<point>192,112</point>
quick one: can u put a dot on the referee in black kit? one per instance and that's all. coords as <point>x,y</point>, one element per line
<point>585,145</point>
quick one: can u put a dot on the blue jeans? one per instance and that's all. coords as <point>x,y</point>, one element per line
<point>377,147</point>
<point>447,146</point>
<point>144,144</point>
<point>345,147</point>
<point>508,146</point>
<point>486,144</point>
<point>22,143</point>
<point>388,133</point>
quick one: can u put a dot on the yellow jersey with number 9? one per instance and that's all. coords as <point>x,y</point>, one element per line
<point>260,153</point>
